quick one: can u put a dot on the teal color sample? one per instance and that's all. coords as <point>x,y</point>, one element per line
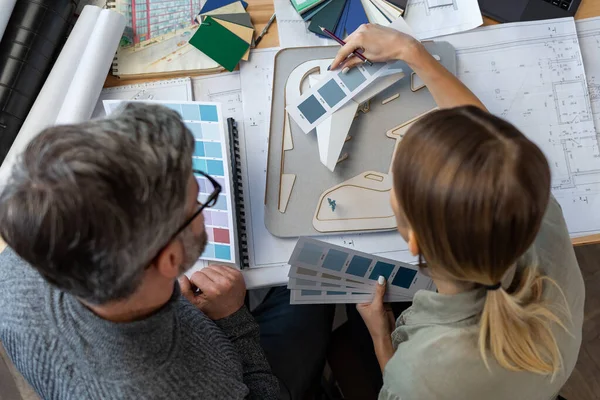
<point>199,149</point>
<point>311,109</point>
<point>221,204</point>
<point>190,112</point>
<point>199,164</point>
<point>213,149</point>
<point>209,251</point>
<point>335,260</point>
<point>196,129</point>
<point>209,113</point>
<point>174,107</point>
<point>404,277</point>
<point>331,93</point>
<point>373,68</point>
<point>382,269</point>
<point>353,79</point>
<point>215,167</point>
<point>310,292</point>
<point>358,266</point>
<point>222,252</point>
<point>310,254</point>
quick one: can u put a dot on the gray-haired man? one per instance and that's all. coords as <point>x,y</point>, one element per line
<point>106,213</point>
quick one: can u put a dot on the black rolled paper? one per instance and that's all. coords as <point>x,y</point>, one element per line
<point>32,40</point>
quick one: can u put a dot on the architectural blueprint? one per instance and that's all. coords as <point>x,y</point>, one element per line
<point>532,74</point>
<point>588,31</point>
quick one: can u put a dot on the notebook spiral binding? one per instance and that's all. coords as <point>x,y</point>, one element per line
<point>238,192</point>
<point>115,64</point>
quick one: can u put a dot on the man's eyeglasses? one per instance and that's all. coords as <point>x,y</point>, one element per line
<point>208,190</point>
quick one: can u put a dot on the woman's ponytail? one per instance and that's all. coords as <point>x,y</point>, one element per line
<point>517,327</point>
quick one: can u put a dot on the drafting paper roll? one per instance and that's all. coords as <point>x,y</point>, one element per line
<point>6,8</point>
<point>54,93</point>
<point>91,72</point>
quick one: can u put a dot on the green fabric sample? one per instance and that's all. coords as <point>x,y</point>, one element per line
<point>328,17</point>
<point>219,43</point>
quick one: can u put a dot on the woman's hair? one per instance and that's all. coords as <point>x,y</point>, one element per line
<point>474,190</point>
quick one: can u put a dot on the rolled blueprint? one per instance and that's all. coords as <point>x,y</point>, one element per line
<point>76,51</point>
<point>31,42</point>
<point>91,72</point>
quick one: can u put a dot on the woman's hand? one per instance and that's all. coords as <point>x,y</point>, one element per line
<point>380,321</point>
<point>378,44</point>
<point>378,318</point>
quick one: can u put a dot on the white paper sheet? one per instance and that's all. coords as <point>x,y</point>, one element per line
<point>45,109</point>
<point>429,18</point>
<point>293,31</point>
<point>168,90</point>
<point>531,73</point>
<point>95,63</point>
<point>6,9</point>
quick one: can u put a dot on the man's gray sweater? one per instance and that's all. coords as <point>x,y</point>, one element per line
<point>67,352</point>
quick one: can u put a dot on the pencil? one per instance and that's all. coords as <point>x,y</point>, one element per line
<point>264,31</point>
<point>342,43</point>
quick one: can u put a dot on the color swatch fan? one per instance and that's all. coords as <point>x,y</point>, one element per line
<point>211,156</point>
<point>343,17</point>
<point>323,273</point>
<point>225,33</point>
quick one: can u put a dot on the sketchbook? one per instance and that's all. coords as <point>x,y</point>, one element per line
<point>155,43</point>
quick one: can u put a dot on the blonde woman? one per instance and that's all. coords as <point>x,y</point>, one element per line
<point>472,198</point>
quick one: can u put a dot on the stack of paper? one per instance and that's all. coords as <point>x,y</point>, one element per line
<point>324,273</point>
<point>225,32</point>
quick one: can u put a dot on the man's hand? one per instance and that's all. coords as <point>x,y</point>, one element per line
<point>221,290</point>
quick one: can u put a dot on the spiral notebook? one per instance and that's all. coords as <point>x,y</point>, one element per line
<point>216,152</point>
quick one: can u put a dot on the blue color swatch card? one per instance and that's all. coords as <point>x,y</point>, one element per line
<point>324,273</point>
<point>333,91</point>
<point>205,122</point>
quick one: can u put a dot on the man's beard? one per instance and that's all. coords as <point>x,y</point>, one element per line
<point>193,247</point>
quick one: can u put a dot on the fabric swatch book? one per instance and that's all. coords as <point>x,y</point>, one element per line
<point>214,39</point>
<point>303,6</point>
<point>216,154</point>
<point>155,42</point>
<point>225,33</point>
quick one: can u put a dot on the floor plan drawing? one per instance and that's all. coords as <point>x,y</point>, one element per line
<point>588,32</point>
<point>532,74</point>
